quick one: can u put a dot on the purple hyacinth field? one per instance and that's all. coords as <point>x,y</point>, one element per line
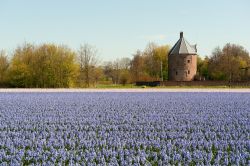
<point>111,128</point>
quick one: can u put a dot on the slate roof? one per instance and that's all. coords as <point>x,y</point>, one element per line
<point>183,47</point>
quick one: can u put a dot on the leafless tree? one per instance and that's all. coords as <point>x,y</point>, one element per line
<point>125,63</point>
<point>87,55</point>
<point>136,66</point>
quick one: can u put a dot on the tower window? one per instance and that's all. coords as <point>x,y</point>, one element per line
<point>188,61</point>
<point>188,71</point>
<point>176,73</point>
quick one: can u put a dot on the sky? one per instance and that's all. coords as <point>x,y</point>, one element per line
<point>117,28</point>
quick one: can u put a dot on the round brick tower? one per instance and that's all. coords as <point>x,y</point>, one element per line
<point>182,61</point>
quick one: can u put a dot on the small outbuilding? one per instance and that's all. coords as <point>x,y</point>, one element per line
<point>182,61</point>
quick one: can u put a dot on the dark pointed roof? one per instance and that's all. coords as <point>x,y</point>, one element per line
<point>183,47</point>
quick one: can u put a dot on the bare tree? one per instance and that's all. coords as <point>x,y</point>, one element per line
<point>87,60</point>
<point>136,66</point>
<point>116,71</point>
<point>108,70</point>
<point>125,63</point>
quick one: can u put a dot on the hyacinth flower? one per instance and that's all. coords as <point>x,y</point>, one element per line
<point>124,128</point>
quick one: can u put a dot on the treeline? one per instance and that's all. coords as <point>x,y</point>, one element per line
<point>231,63</point>
<point>53,66</point>
<point>39,67</point>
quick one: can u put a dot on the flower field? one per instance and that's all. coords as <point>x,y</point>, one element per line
<point>95,128</point>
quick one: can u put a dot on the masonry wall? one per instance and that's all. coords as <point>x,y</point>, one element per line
<point>182,67</point>
<point>205,83</point>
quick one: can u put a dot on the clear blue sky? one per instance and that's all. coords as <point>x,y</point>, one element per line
<point>119,27</point>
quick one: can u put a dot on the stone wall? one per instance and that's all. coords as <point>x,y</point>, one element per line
<point>182,67</point>
<point>205,83</point>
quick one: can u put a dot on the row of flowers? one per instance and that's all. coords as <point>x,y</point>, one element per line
<point>124,128</point>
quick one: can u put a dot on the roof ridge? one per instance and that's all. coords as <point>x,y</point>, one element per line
<point>176,46</point>
<point>185,44</point>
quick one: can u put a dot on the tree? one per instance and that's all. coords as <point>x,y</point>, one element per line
<point>124,77</point>
<point>161,56</point>
<point>108,71</point>
<point>43,66</point>
<point>124,68</point>
<point>97,75</point>
<point>4,64</point>
<point>150,64</point>
<point>226,64</point>
<point>137,66</point>
<point>237,57</point>
<point>125,63</point>
<point>21,70</point>
<point>116,71</point>
<point>202,68</point>
<point>87,56</point>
